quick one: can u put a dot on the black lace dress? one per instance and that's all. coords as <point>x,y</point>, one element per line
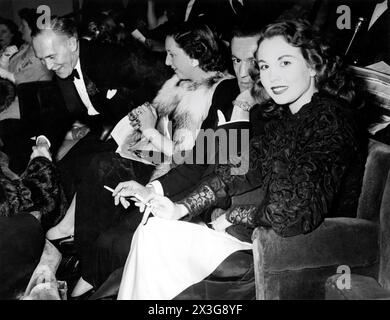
<point>298,167</point>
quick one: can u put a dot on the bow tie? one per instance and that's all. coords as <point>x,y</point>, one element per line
<point>74,74</point>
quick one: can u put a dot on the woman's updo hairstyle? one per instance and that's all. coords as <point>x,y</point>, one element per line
<point>200,43</point>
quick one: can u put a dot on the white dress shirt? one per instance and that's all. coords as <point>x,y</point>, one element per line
<point>82,91</point>
<point>378,11</point>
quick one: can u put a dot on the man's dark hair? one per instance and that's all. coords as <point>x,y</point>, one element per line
<point>7,94</point>
<point>248,28</point>
<point>13,28</point>
<point>63,26</point>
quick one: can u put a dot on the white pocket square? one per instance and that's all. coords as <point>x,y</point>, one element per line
<point>111,93</point>
<point>221,118</point>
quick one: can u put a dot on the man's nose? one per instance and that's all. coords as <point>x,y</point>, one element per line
<point>168,60</point>
<point>243,70</point>
<point>49,65</point>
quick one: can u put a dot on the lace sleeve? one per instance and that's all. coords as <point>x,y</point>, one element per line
<point>227,180</point>
<point>208,195</point>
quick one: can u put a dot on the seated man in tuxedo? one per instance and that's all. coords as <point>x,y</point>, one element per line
<point>97,83</point>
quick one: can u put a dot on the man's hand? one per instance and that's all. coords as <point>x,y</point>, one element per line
<point>245,100</point>
<point>129,189</point>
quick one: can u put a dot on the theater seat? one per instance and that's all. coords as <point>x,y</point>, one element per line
<point>297,267</point>
<point>377,286</point>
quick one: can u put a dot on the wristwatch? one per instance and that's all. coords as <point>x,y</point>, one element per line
<point>242,105</point>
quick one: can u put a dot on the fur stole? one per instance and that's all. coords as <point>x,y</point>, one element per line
<point>187,105</point>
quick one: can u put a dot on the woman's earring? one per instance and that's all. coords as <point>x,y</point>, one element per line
<point>195,63</point>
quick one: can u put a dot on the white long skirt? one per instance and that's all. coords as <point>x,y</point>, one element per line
<point>168,256</point>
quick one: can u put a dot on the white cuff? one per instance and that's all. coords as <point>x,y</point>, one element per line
<point>157,187</point>
<point>44,138</point>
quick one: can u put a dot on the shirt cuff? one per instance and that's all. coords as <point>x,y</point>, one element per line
<point>44,138</point>
<point>157,187</point>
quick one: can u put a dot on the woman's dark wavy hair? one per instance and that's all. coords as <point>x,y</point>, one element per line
<point>13,28</point>
<point>331,75</point>
<point>30,16</point>
<point>199,42</point>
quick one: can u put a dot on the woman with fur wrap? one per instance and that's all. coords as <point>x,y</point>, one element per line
<point>188,102</point>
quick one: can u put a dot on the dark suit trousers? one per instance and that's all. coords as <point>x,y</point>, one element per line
<point>74,164</point>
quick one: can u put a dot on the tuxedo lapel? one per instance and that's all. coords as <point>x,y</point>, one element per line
<point>381,25</point>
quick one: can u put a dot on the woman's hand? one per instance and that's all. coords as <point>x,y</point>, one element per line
<point>144,117</point>
<point>164,208</point>
<point>221,223</point>
<point>10,51</point>
<point>7,54</point>
<point>7,75</point>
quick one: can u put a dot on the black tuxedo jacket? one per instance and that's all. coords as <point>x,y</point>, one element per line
<point>371,46</point>
<point>183,178</point>
<point>132,73</point>
<point>105,67</point>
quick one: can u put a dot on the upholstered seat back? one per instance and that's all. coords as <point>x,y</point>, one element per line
<point>384,239</point>
<point>374,180</point>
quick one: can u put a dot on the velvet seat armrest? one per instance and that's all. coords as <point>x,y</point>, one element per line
<point>337,241</point>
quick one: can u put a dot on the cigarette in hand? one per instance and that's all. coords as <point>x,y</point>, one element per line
<point>108,188</point>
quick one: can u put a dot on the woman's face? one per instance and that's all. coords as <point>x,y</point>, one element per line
<point>284,73</point>
<point>5,36</point>
<point>25,31</point>
<point>178,60</point>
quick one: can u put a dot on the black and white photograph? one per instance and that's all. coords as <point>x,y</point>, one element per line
<point>195,155</point>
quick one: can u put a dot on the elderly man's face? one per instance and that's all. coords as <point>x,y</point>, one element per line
<point>57,52</point>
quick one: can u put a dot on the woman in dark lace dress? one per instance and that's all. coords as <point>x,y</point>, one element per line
<point>297,167</point>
